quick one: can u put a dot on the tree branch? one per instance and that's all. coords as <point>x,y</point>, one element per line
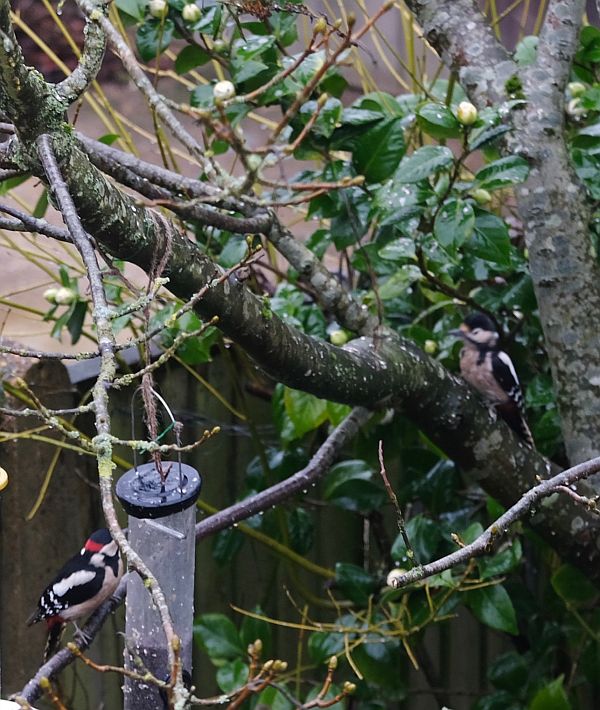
<point>484,543</point>
<point>458,32</point>
<point>155,100</point>
<point>300,481</point>
<point>94,45</point>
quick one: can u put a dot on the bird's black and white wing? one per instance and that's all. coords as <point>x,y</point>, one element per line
<point>513,409</point>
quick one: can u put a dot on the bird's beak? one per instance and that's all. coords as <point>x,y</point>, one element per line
<point>457,333</point>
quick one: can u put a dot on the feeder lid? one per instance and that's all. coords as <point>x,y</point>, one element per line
<point>143,494</point>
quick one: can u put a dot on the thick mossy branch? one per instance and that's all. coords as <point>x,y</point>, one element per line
<point>367,372</point>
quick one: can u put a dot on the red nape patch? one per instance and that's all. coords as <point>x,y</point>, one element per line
<point>53,621</point>
<point>92,546</point>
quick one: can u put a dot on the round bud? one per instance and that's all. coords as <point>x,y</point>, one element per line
<point>394,576</point>
<point>223,90</point>
<point>466,113</point>
<point>50,295</point>
<point>253,161</point>
<point>332,663</point>
<point>220,46</point>
<point>338,337</point>
<point>65,296</point>
<point>158,8</point>
<point>575,109</point>
<point>481,196</point>
<point>258,645</point>
<point>3,479</point>
<point>576,88</point>
<point>191,12</point>
<point>349,688</point>
<point>430,347</point>
<point>320,26</point>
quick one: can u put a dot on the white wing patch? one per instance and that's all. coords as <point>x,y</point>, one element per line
<point>77,579</point>
<point>508,362</point>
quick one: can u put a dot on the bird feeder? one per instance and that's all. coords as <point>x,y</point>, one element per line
<point>161,510</point>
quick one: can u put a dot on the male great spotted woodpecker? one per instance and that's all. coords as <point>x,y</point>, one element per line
<point>490,370</point>
<point>85,581</point>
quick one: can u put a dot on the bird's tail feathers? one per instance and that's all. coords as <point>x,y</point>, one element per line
<point>56,629</point>
<point>514,417</point>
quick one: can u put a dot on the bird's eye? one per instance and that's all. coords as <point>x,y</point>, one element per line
<point>475,331</point>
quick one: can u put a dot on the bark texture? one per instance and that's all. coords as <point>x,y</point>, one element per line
<point>553,204</point>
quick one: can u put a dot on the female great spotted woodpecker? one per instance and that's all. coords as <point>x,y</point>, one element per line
<point>85,581</point>
<point>490,370</point>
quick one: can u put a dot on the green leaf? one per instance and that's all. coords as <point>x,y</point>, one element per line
<point>273,699</point>
<point>226,545</point>
<point>202,96</point>
<point>379,150</point>
<point>134,8</point>
<point>551,697</point>
<point>153,37</point>
<point>572,586</point>
<point>233,252</point>
<point>526,51</point>
<point>493,607</point>
<point>501,562</point>
<point>355,582</point>
<point>490,240</point>
<point>503,172</point>
<point>41,205</point>
<point>486,136</point>
<point>328,117</point>
<point>302,530</point>
<point>402,248</point>
<point>191,56</point>
<point>76,318</point>
<point>324,644</point>
<point>305,411</point>
<point>9,183</point>
<point>454,223</point>
<point>232,676</point>
<point>424,163</point>
<point>218,637</point>
<point>109,138</point>
<point>438,121</point>
<point>351,470</point>
<point>381,663</point>
<point>509,671</point>
<point>253,629</point>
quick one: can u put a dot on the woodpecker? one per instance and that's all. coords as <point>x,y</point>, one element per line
<point>490,370</point>
<point>85,581</point>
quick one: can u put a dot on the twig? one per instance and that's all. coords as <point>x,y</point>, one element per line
<point>497,529</point>
<point>410,553</point>
<point>155,100</point>
<point>300,481</point>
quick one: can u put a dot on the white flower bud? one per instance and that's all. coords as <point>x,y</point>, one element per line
<point>223,90</point>
<point>65,296</point>
<point>466,113</point>
<point>3,479</point>
<point>481,196</point>
<point>158,8</point>
<point>394,576</point>
<point>191,12</point>
<point>576,88</point>
<point>575,109</point>
<point>50,295</point>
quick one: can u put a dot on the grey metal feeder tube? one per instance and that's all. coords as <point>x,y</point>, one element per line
<point>162,533</point>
